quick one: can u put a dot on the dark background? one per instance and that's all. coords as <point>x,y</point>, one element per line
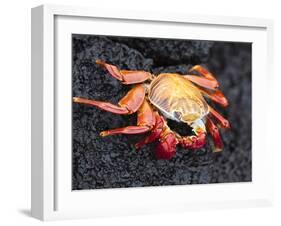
<point>112,162</point>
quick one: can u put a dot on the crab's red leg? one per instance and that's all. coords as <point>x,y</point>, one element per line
<point>155,132</point>
<point>204,82</point>
<point>127,105</point>
<point>208,80</point>
<point>224,123</point>
<point>125,76</point>
<point>216,96</point>
<point>146,120</point>
<point>166,148</point>
<point>203,71</point>
<point>214,131</point>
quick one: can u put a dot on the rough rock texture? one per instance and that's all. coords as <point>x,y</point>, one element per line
<point>112,162</point>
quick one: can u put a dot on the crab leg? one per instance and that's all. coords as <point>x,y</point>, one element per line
<point>146,120</point>
<point>129,104</point>
<point>125,76</point>
<point>208,80</point>
<point>216,96</point>
<point>203,71</point>
<point>155,132</point>
<point>204,82</point>
<point>224,123</point>
<point>214,131</point>
<point>166,148</point>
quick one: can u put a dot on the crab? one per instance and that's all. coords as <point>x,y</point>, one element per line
<point>167,96</point>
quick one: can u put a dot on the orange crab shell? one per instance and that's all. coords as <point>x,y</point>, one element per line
<point>177,98</point>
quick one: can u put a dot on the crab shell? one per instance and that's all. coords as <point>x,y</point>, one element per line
<point>177,98</point>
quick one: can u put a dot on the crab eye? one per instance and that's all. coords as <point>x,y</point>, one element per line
<point>177,115</point>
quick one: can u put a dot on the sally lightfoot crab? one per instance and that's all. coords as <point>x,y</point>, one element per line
<point>168,95</point>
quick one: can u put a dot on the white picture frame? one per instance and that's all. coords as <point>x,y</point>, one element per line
<point>52,197</point>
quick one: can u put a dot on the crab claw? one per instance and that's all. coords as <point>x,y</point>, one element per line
<point>155,132</point>
<point>166,149</point>
<point>193,142</point>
